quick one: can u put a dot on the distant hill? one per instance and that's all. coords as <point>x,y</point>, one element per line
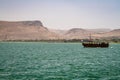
<point>78,33</point>
<point>100,30</point>
<point>35,30</point>
<point>111,34</point>
<point>25,30</point>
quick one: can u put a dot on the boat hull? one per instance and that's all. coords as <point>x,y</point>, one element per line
<point>94,45</point>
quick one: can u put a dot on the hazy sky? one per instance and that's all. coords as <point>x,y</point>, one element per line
<point>64,14</point>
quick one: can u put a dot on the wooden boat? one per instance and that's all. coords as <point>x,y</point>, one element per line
<point>94,44</point>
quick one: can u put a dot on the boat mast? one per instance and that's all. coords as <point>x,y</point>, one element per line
<point>90,37</point>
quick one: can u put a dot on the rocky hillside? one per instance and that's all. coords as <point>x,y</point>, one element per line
<point>78,33</point>
<point>35,30</point>
<point>25,30</point>
<point>111,34</point>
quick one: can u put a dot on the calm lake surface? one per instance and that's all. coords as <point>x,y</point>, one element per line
<point>58,61</point>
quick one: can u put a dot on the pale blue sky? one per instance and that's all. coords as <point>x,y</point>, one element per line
<point>64,14</point>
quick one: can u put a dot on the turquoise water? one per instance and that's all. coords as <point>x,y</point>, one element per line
<point>58,61</point>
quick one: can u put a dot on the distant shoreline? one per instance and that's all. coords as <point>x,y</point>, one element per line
<point>60,41</point>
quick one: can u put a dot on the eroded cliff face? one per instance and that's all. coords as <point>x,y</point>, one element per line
<point>25,30</point>
<point>20,23</point>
